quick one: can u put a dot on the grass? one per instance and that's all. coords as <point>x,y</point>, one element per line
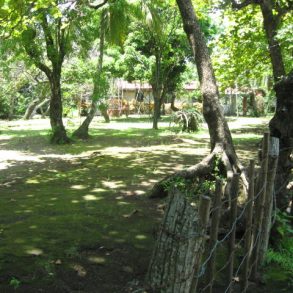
<point>80,212</point>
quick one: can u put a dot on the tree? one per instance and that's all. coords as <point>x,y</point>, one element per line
<point>281,125</point>
<point>54,30</point>
<point>82,131</point>
<point>156,53</point>
<point>114,19</point>
<point>222,147</point>
<point>48,30</point>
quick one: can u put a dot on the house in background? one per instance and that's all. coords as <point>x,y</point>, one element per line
<point>123,89</point>
<point>137,97</point>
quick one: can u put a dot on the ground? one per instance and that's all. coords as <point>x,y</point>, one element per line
<point>77,218</point>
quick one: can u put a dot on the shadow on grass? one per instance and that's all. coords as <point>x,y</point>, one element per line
<point>71,223</point>
<point>81,219</point>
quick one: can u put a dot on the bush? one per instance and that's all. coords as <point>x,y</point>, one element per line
<point>189,120</point>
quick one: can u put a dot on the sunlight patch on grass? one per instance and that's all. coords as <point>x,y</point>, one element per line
<point>98,190</point>
<point>78,187</point>
<point>140,192</point>
<point>140,237</point>
<point>123,203</point>
<point>90,197</point>
<point>96,259</point>
<point>32,181</point>
<point>34,251</point>
<point>113,184</point>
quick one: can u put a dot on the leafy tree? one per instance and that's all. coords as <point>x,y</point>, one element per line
<point>222,148</point>
<point>274,14</point>
<point>156,53</point>
<point>47,30</point>
<point>240,58</point>
<point>114,18</point>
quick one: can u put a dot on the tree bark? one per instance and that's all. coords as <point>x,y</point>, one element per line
<point>270,24</point>
<point>218,127</point>
<point>59,135</point>
<point>173,107</point>
<point>12,107</point>
<point>157,106</point>
<point>105,114</point>
<point>40,105</point>
<point>56,51</point>
<point>281,125</point>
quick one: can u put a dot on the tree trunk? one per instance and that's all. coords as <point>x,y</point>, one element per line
<point>30,109</point>
<point>157,106</point>
<point>281,125</point>
<point>40,105</point>
<point>105,114</point>
<point>218,127</point>
<point>173,107</point>
<point>59,135</point>
<point>270,24</point>
<point>82,131</point>
<point>11,107</point>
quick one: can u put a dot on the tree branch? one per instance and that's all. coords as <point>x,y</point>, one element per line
<point>98,5</point>
<point>51,50</point>
<point>30,50</point>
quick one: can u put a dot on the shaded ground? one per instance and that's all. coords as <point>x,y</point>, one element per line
<point>76,218</point>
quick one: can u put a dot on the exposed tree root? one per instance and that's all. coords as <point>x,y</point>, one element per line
<point>218,158</point>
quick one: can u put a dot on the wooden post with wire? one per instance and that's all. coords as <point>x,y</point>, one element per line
<point>233,217</point>
<point>259,213</point>
<point>268,204</point>
<point>214,234</point>
<point>204,212</point>
<point>248,231</point>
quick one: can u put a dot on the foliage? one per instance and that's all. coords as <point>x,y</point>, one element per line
<point>152,54</point>
<point>19,85</point>
<point>282,257</point>
<point>188,120</point>
<point>281,252</point>
<point>14,282</point>
<point>241,57</point>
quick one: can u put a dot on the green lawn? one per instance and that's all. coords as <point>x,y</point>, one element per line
<point>77,217</point>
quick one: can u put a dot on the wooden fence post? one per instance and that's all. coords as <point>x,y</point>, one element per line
<point>268,204</point>
<point>233,217</point>
<point>248,231</point>
<point>259,211</point>
<point>204,212</point>
<point>214,234</point>
<point>176,260</point>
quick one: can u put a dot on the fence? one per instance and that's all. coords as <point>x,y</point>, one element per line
<point>189,259</point>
